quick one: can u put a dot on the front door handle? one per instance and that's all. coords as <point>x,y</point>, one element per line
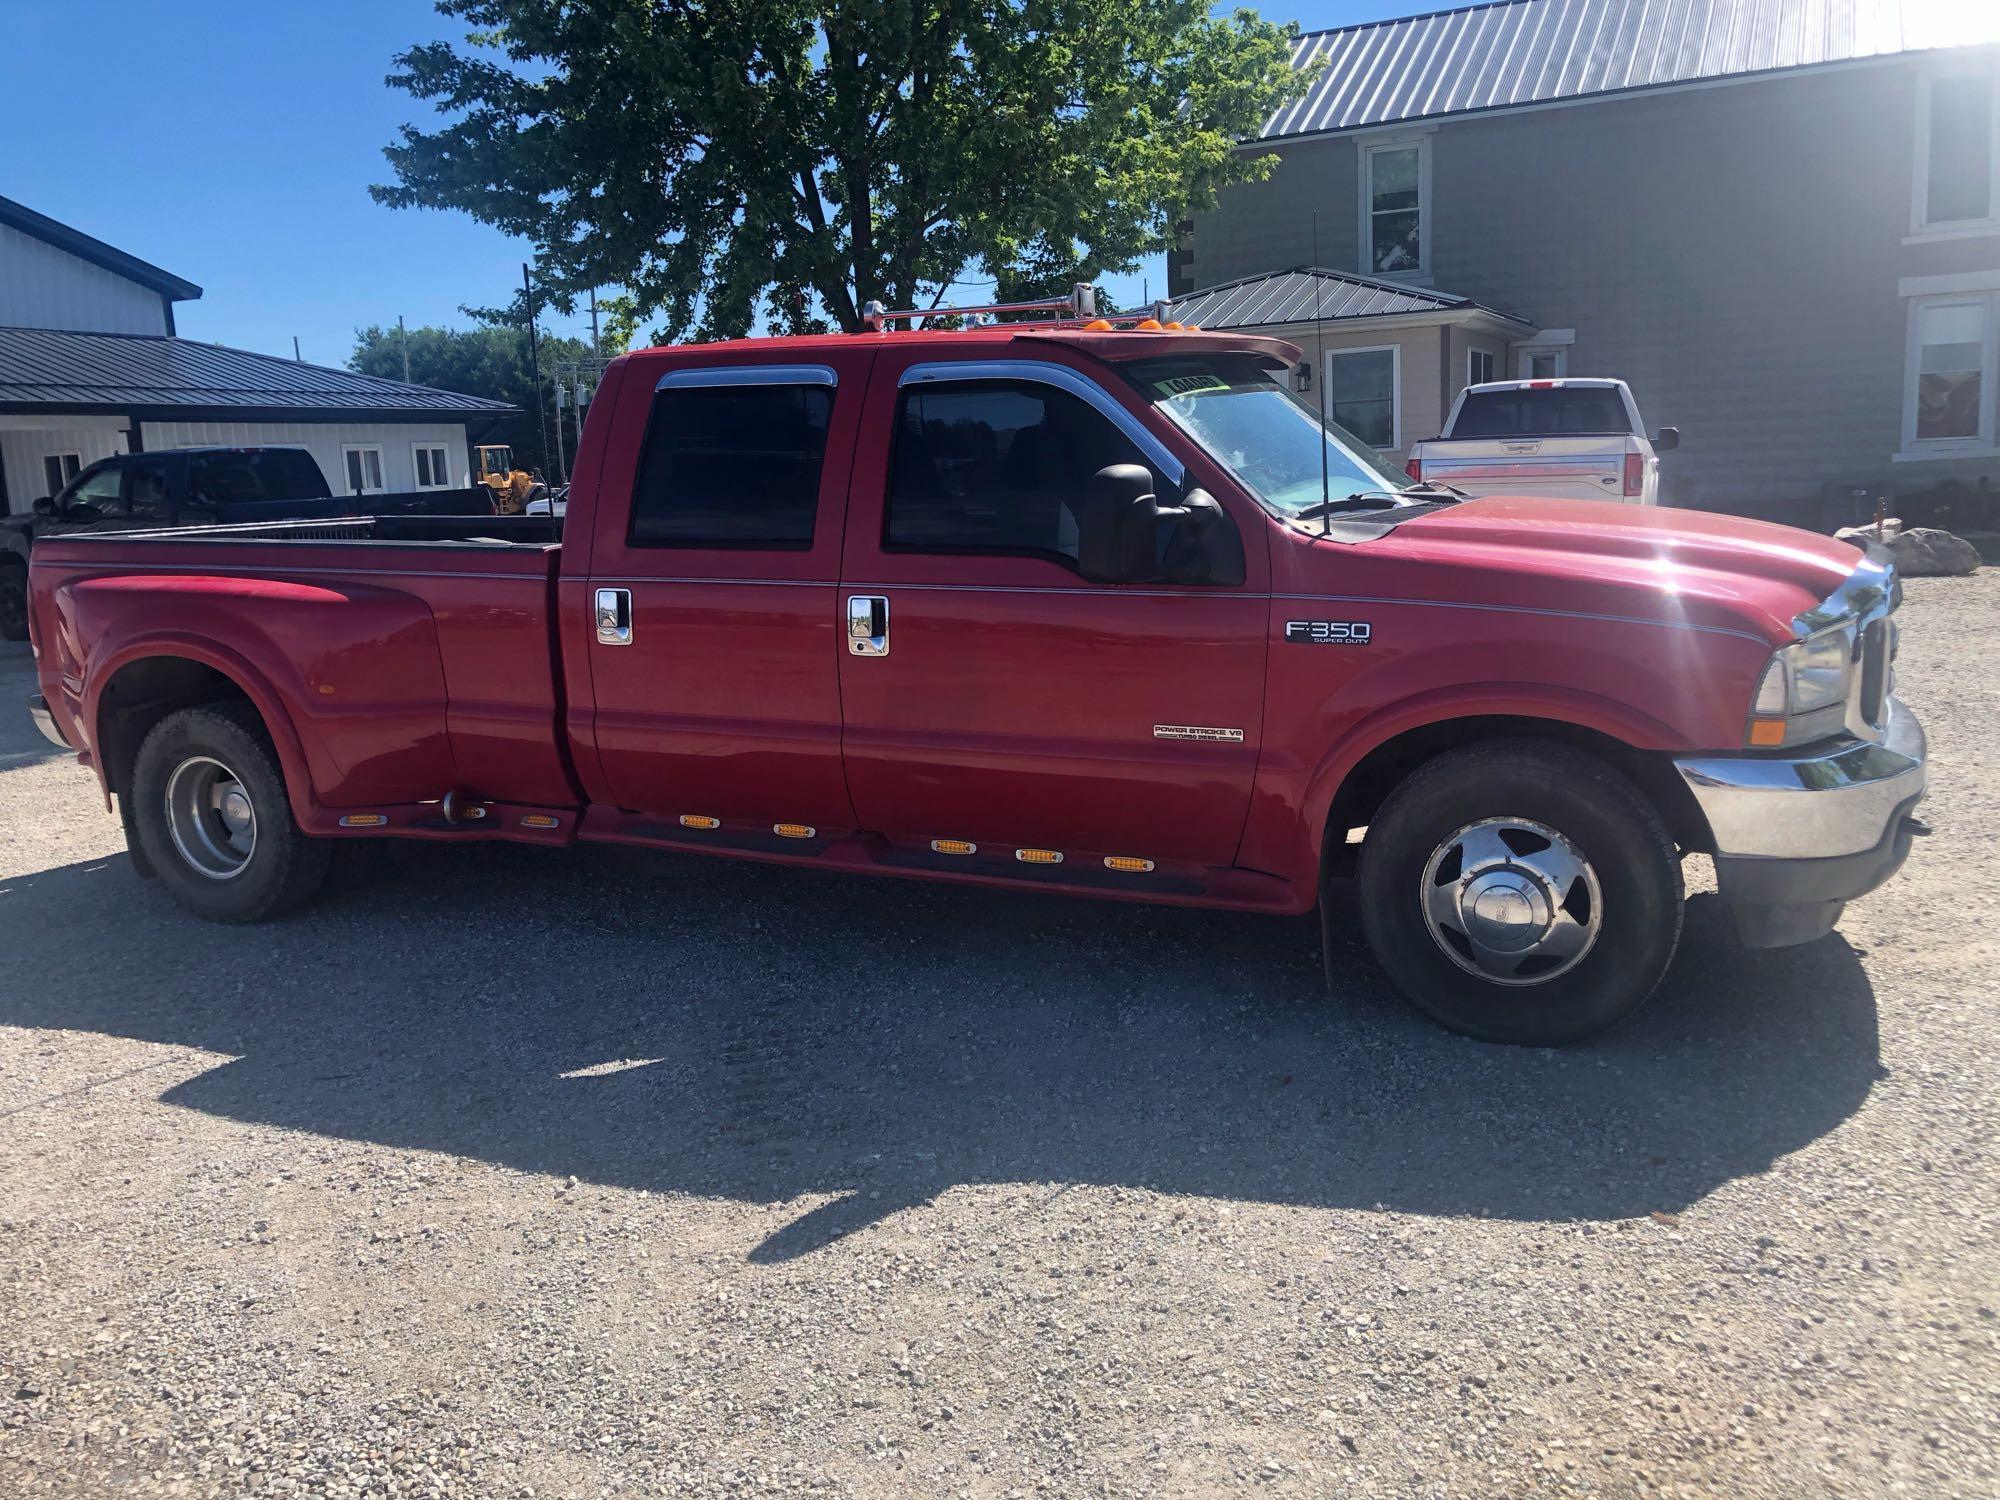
<point>868,625</point>
<point>614,617</point>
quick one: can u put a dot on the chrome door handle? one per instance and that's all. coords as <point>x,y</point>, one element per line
<point>868,625</point>
<point>614,617</point>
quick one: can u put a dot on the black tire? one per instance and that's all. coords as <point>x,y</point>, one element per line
<point>13,601</point>
<point>282,869</point>
<point>1637,909</point>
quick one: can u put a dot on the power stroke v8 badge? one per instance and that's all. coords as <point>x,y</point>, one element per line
<point>1329,632</point>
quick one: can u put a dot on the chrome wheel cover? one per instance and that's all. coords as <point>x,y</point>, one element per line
<point>210,817</point>
<point>1511,901</point>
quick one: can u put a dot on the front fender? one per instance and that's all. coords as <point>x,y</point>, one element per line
<point>1649,687</point>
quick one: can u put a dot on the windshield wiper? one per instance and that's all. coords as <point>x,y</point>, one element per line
<point>1359,500</point>
<point>1437,487</point>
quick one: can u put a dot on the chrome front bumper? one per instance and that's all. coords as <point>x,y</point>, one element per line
<point>38,710</point>
<point>1796,838</point>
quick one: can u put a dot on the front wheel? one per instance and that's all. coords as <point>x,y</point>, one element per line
<point>1521,891</point>
<point>211,817</point>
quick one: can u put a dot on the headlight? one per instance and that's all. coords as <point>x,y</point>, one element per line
<point>1803,693</point>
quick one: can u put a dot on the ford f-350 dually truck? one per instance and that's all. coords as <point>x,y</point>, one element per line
<point>1067,607</point>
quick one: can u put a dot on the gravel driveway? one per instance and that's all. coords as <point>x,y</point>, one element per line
<point>504,1171</point>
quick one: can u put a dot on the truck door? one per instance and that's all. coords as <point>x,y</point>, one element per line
<point>991,694</point>
<point>712,584</point>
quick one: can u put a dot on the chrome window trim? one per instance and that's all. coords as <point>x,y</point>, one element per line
<point>726,375</point>
<point>1063,378</point>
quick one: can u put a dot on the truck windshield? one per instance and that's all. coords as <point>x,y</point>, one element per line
<point>1254,426</point>
<point>1556,411</point>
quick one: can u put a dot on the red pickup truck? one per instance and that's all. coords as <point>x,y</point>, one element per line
<point>1058,607</point>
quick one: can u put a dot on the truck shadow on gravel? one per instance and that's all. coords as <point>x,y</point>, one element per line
<point>759,1034</point>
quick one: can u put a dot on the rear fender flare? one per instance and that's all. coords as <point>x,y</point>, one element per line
<point>263,697</point>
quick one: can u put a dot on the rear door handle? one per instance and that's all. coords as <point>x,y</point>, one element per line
<point>868,625</point>
<point>614,617</point>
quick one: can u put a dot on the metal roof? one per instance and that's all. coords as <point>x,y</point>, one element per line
<point>1537,51</point>
<point>76,242</point>
<point>42,367</point>
<point>1309,294</point>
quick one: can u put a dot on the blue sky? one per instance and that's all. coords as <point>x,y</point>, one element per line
<point>233,144</point>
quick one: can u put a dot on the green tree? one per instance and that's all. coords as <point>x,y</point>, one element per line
<point>490,361</point>
<point>714,158</point>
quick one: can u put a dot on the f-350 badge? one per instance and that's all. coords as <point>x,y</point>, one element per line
<point>1329,632</point>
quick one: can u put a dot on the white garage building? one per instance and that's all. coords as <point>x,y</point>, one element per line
<point>90,366</point>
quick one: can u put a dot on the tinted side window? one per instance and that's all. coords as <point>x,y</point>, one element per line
<point>240,478</point>
<point>732,466</point>
<point>146,492</point>
<point>102,487</point>
<point>995,467</point>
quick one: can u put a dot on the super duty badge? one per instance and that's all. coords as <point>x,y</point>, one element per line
<point>1329,632</point>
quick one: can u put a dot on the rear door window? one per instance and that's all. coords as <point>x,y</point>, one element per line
<point>1559,411</point>
<point>268,474</point>
<point>734,466</point>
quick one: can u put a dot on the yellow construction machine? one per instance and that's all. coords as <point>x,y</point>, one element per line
<point>512,488</point>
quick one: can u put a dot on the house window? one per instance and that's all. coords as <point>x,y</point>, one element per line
<point>1395,199</point>
<point>433,467</point>
<point>58,469</point>
<point>1478,366</point>
<point>1948,386</point>
<point>1543,362</point>
<point>1361,389</point>
<point>1958,144</point>
<point>363,465</point>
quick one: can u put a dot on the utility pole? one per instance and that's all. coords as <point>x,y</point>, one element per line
<point>535,357</point>
<point>596,353</point>
<point>403,342</point>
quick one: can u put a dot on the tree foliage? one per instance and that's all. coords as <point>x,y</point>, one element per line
<point>718,158</point>
<point>490,361</point>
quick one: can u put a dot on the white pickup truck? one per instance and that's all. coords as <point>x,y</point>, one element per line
<point>1570,439</point>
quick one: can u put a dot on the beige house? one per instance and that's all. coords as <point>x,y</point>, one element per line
<point>1779,220</point>
<point>1387,359</point>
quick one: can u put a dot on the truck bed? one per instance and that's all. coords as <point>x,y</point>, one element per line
<point>414,653</point>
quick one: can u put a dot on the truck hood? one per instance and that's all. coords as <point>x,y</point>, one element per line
<point>1649,562</point>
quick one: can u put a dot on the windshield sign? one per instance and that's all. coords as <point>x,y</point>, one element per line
<point>1253,425</point>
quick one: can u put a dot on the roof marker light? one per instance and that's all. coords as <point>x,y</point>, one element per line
<point>953,846</point>
<point>1127,864</point>
<point>699,820</point>
<point>794,830</point>
<point>1039,856</point>
<point>539,820</point>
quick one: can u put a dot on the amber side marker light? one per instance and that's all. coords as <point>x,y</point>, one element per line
<point>1127,864</point>
<point>539,820</point>
<point>953,846</point>
<point>696,820</point>
<point>794,830</point>
<point>1039,856</point>
<point>1769,732</point>
<point>363,820</point>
